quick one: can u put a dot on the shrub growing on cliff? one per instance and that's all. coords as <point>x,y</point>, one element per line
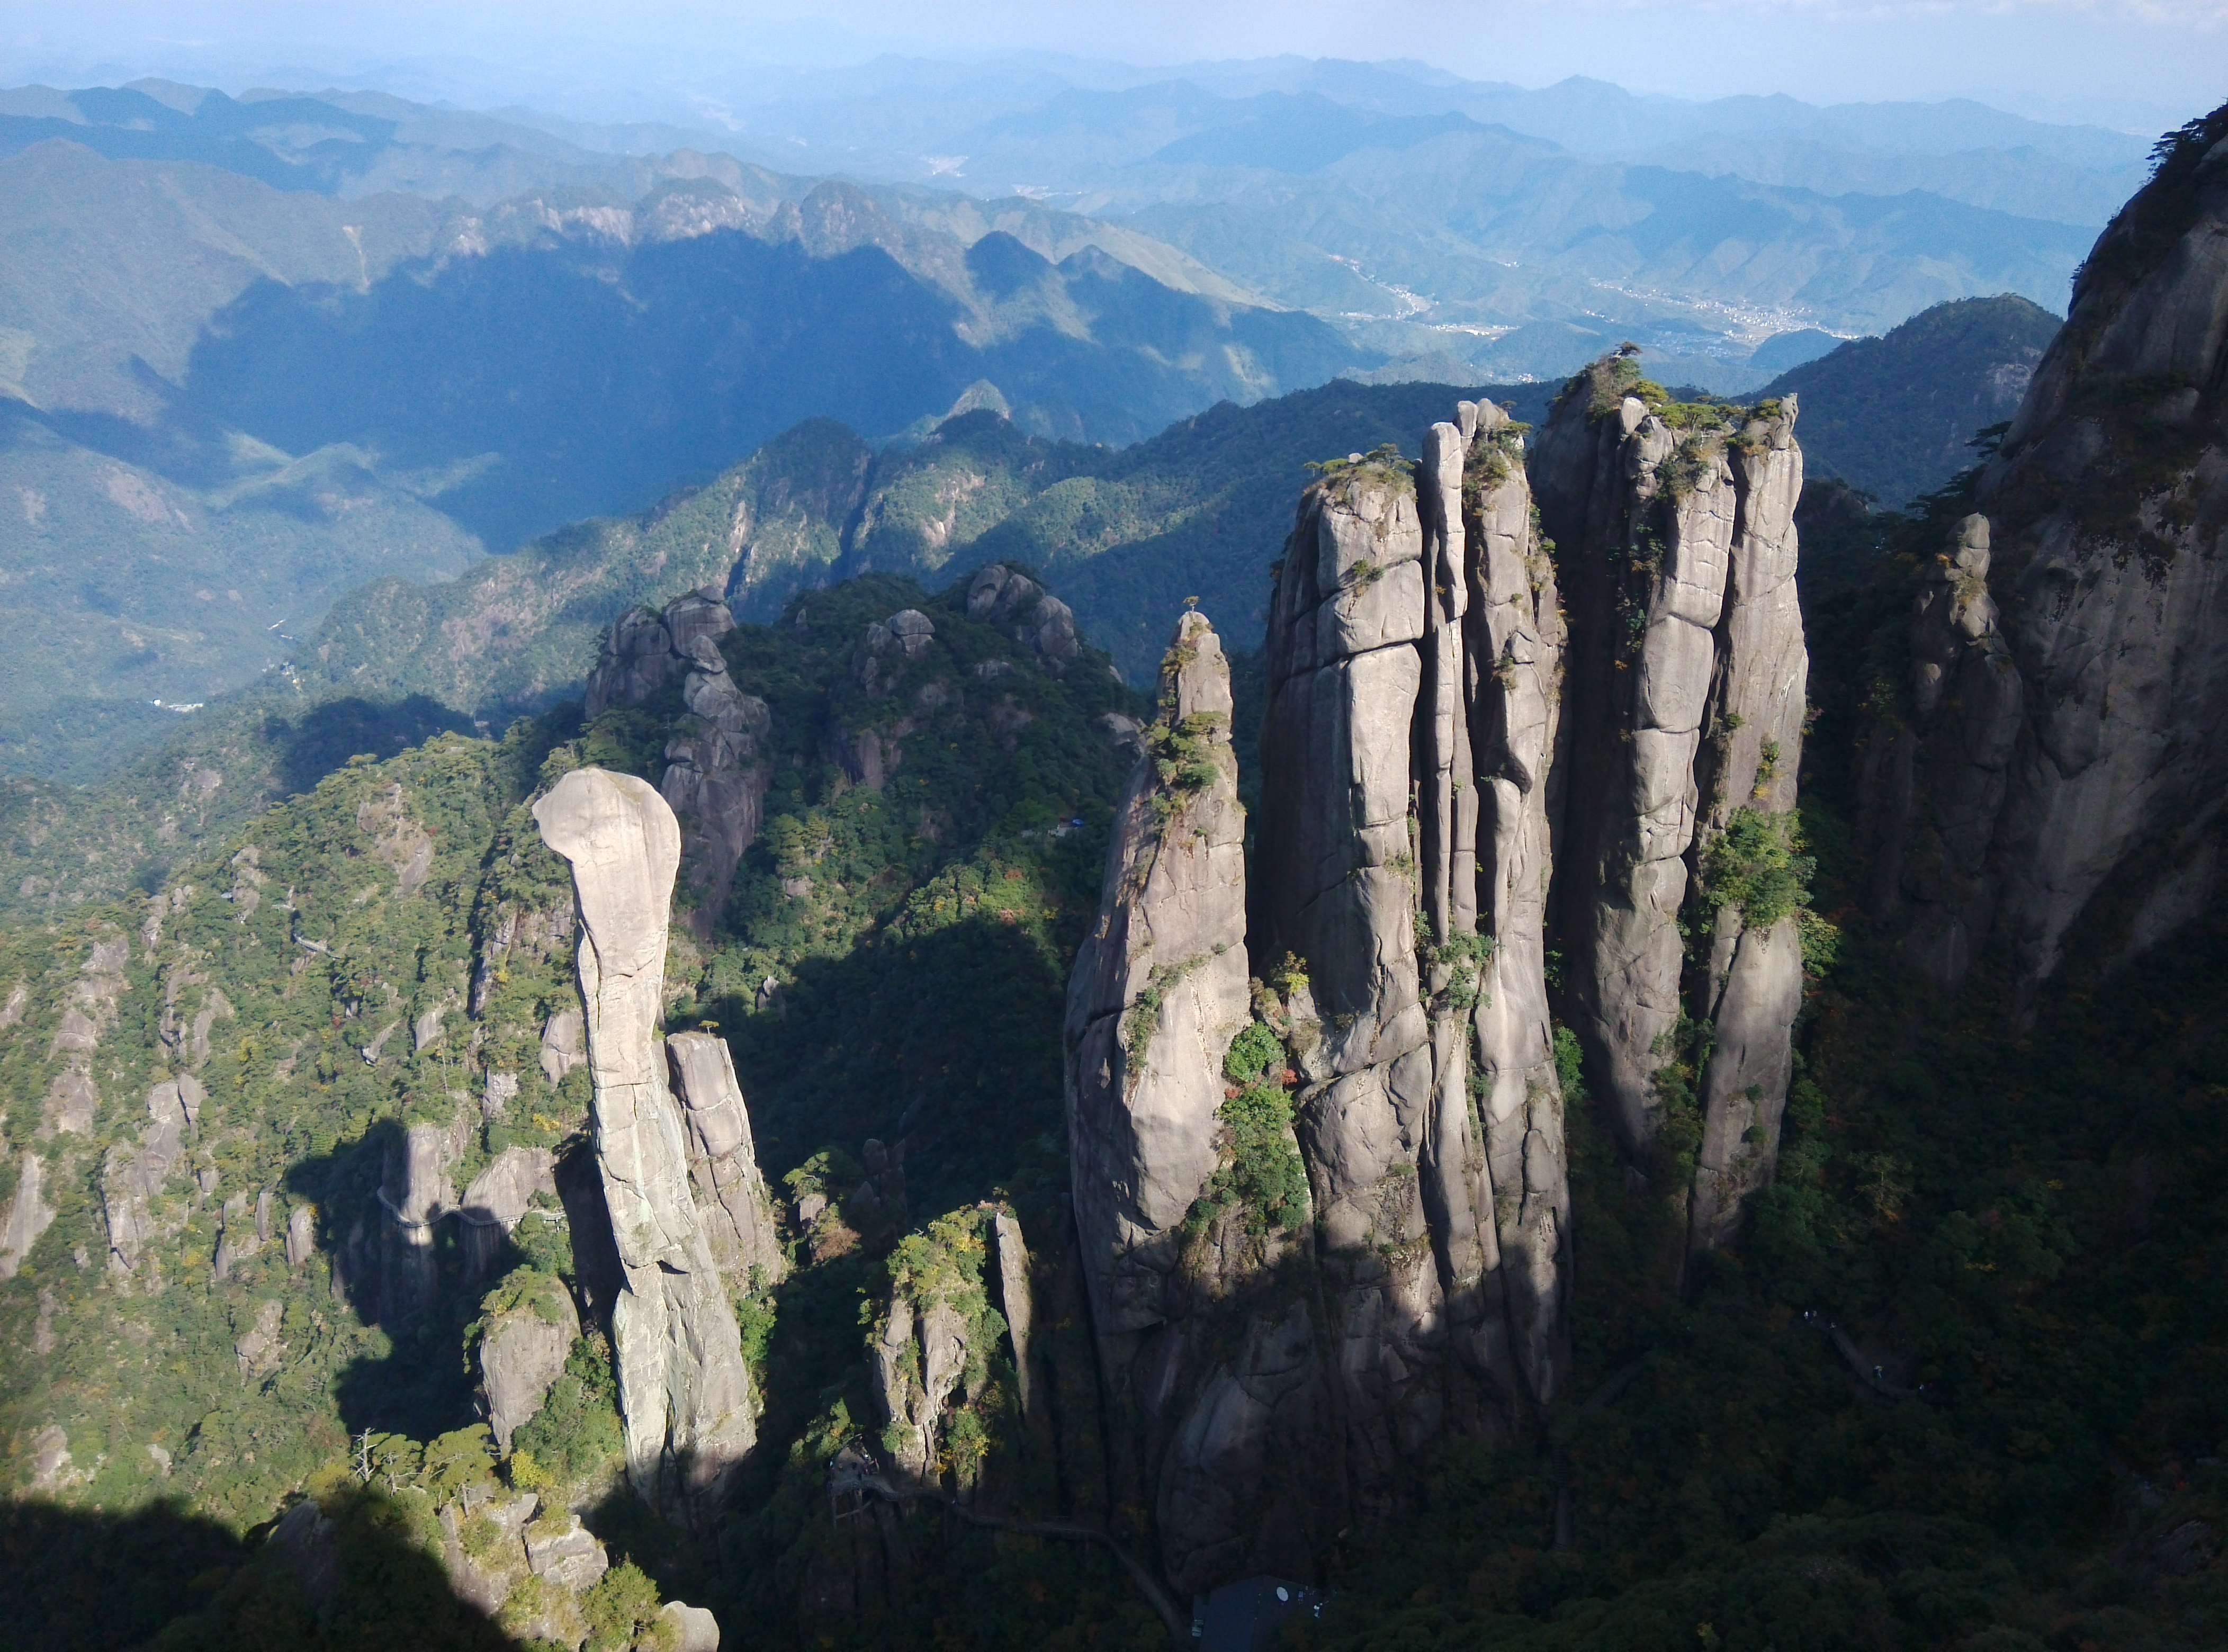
<point>1250,1052</point>
<point>576,1435</point>
<point>1754,865</point>
<point>1261,1170</point>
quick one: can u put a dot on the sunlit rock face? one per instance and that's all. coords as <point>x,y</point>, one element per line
<point>1683,726</point>
<point>684,1392</point>
<point>1285,1375</point>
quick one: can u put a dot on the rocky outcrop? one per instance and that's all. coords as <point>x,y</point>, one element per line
<point>1934,781</point>
<point>133,1178</point>
<point>523,1346</point>
<point>1291,1370</point>
<point>564,1044</point>
<point>740,1225</point>
<point>1031,616</point>
<point>301,1237</point>
<point>1676,545</point>
<point>715,776</point>
<point>1159,991</point>
<point>716,779</point>
<point>1413,658</point>
<point>1501,650</point>
<point>497,1200</point>
<point>929,1356</point>
<point>414,1193</point>
<point>29,1214</point>
<point>647,650</point>
<point>73,1100</point>
<point>684,1392</point>
<point>2085,794</point>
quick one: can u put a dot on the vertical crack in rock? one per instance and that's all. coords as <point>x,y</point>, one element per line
<point>1676,546</point>
<point>1511,667</point>
<point>684,1392</point>
<point>1757,714</point>
<point>1413,659</point>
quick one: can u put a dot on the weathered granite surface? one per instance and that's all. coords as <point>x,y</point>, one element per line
<point>2064,757</point>
<point>684,1392</point>
<point>738,1211</point>
<point>1686,706</point>
<point>1157,993</point>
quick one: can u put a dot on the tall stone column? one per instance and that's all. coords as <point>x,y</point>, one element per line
<point>684,1392</point>
<point>1676,544</point>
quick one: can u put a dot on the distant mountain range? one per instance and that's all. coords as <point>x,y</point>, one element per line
<point>258,351</point>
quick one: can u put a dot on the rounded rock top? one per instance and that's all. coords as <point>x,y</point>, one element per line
<point>910,622</point>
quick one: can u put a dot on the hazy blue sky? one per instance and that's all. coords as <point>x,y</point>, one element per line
<point>2139,64</point>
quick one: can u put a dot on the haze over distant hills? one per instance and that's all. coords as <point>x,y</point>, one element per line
<point>263,349</point>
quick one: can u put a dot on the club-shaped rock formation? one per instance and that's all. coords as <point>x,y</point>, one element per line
<point>684,1392</point>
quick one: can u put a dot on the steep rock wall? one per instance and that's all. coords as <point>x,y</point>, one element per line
<point>2085,792</point>
<point>740,1220</point>
<point>1676,545</point>
<point>1413,656</point>
<point>684,1392</point>
<point>1282,1373</point>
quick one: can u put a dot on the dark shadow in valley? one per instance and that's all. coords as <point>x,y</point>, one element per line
<point>78,1581</point>
<point>308,746</point>
<point>421,1286</point>
<point>594,392</point>
<point>948,1042</point>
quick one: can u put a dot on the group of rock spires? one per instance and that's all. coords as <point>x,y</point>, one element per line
<point>1455,755</point>
<point>2046,782</point>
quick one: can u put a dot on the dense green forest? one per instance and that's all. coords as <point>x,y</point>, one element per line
<point>889,963</point>
<point>1961,1382</point>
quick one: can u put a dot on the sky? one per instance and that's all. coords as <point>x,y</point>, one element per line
<point>2138,65</point>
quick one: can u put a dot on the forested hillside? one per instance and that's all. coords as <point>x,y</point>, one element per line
<point>213,1305</point>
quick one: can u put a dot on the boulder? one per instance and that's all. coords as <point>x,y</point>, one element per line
<point>564,1044</point>
<point>694,1629</point>
<point>562,1550</point>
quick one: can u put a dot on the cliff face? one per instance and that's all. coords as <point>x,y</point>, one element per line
<point>1676,536</point>
<point>684,1394</point>
<point>1413,656</point>
<point>716,775</point>
<point>2060,764</point>
<point>1289,1345</point>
